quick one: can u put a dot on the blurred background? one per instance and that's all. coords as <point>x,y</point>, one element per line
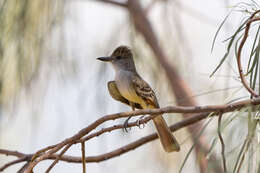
<point>51,84</point>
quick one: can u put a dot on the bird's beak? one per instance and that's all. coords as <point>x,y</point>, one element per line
<point>106,59</point>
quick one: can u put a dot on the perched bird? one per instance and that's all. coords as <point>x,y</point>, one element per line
<point>129,88</point>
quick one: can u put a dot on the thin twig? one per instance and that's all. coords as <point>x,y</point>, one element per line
<point>58,158</point>
<point>21,170</point>
<point>38,153</point>
<point>240,70</point>
<point>13,163</point>
<point>11,153</point>
<point>114,127</point>
<point>83,157</point>
<point>222,143</point>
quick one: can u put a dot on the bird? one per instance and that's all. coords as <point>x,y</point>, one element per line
<point>129,88</point>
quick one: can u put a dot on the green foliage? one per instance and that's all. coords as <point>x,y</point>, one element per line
<point>230,44</point>
<point>235,40</point>
<point>237,152</point>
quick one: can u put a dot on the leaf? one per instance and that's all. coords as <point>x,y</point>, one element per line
<point>212,146</point>
<point>222,23</point>
<point>253,50</point>
<point>229,47</point>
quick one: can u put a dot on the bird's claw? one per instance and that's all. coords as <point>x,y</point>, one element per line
<point>126,125</point>
<point>140,124</point>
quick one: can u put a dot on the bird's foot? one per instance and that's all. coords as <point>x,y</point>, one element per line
<point>126,125</point>
<point>140,124</point>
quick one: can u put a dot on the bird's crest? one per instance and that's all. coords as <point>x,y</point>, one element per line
<point>123,51</point>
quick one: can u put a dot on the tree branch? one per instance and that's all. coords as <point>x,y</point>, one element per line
<point>239,66</point>
<point>83,157</point>
<point>119,151</point>
<point>204,111</point>
<point>169,109</point>
<point>58,158</point>
<point>19,160</point>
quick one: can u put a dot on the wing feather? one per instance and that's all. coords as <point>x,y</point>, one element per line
<point>115,94</point>
<point>143,90</point>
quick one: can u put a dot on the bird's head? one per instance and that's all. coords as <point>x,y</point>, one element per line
<point>121,59</point>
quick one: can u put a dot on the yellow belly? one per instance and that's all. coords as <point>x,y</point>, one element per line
<point>130,95</point>
<point>125,86</point>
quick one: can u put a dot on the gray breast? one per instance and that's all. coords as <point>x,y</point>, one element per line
<point>124,84</point>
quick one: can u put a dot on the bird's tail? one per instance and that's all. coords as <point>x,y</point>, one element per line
<point>167,139</point>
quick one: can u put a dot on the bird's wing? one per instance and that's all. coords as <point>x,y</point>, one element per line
<point>143,90</point>
<point>115,94</point>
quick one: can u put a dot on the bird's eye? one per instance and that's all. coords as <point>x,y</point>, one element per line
<point>118,57</point>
